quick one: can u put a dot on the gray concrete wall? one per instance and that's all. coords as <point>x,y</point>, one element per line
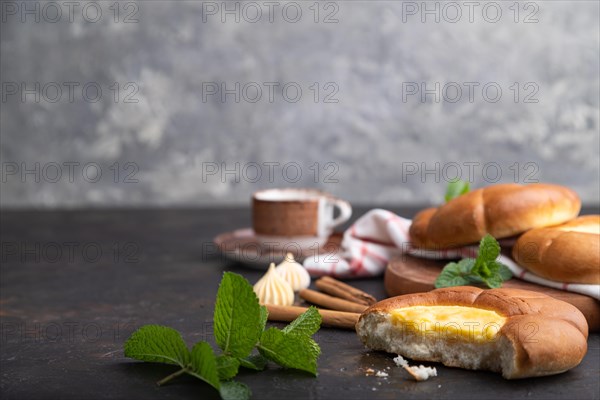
<point>390,106</point>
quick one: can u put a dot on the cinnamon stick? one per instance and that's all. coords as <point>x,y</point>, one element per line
<point>342,290</point>
<point>333,303</point>
<point>336,319</point>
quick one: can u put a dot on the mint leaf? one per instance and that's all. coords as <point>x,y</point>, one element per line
<point>481,269</point>
<point>227,367</point>
<point>314,349</point>
<point>465,266</point>
<point>494,281</point>
<point>485,265</point>
<point>256,362</point>
<point>489,248</point>
<point>264,316</point>
<point>237,316</point>
<point>204,364</point>
<point>504,272</point>
<point>290,351</point>
<point>455,274</point>
<point>232,390</point>
<point>157,343</point>
<point>456,188</point>
<point>306,324</point>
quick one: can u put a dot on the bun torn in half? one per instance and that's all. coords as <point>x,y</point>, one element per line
<point>518,333</point>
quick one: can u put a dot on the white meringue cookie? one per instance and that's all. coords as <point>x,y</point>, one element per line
<point>273,289</point>
<point>294,273</point>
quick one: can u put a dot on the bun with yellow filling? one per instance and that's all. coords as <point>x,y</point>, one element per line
<point>501,210</point>
<point>518,333</point>
<point>565,253</point>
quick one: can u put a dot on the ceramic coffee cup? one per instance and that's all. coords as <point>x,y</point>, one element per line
<point>299,218</point>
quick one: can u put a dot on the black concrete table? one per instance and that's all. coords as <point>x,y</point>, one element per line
<point>75,284</point>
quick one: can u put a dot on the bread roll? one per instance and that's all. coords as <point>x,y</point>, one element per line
<point>501,210</point>
<point>518,333</point>
<point>565,253</point>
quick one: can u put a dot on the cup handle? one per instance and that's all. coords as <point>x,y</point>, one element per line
<point>345,212</point>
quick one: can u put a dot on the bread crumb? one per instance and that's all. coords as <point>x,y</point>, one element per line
<point>369,371</point>
<point>381,374</point>
<point>400,361</point>
<point>420,373</point>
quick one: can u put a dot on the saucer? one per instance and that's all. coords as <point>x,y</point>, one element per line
<point>242,246</point>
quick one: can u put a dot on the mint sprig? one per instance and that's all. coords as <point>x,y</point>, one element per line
<point>484,269</point>
<point>239,328</point>
<point>456,188</point>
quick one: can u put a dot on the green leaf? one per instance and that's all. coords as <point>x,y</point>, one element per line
<point>256,362</point>
<point>157,343</point>
<point>504,271</point>
<point>203,364</point>
<point>456,188</point>
<point>465,266</point>
<point>264,316</point>
<point>487,269</point>
<point>455,274</point>
<point>314,349</point>
<point>227,367</point>
<point>489,248</point>
<point>232,390</point>
<point>237,317</point>
<point>481,269</point>
<point>292,351</point>
<point>493,282</point>
<point>307,323</point>
<point>498,274</point>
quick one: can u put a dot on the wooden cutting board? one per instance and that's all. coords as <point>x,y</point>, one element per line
<point>412,275</point>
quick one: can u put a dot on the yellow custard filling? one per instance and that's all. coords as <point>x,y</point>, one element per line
<point>454,322</point>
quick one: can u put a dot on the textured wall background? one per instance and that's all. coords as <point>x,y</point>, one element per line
<point>373,145</point>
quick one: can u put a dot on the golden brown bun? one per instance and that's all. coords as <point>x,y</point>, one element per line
<point>501,210</point>
<point>565,253</point>
<point>541,335</point>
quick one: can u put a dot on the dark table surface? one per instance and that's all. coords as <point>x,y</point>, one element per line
<point>75,284</point>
